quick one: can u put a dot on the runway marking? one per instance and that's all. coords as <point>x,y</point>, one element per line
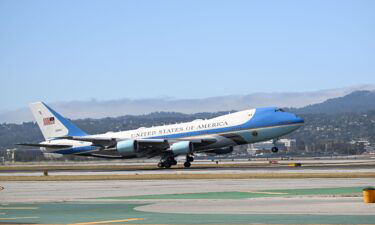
<point>108,221</point>
<point>265,192</point>
<point>17,218</point>
<point>20,208</point>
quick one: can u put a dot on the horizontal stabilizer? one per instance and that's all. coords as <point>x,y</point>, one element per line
<point>45,145</point>
<point>106,156</point>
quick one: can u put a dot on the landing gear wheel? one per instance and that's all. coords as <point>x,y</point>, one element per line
<point>274,149</point>
<point>189,159</point>
<point>166,161</point>
<point>167,166</point>
<point>187,164</point>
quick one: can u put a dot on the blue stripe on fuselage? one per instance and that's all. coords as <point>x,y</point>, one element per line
<point>75,150</point>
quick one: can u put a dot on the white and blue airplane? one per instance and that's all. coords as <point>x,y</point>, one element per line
<point>214,136</point>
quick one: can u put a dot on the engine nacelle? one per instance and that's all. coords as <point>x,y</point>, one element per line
<point>221,151</point>
<point>182,148</point>
<point>128,147</point>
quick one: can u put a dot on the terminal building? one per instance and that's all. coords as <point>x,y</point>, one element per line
<point>284,145</point>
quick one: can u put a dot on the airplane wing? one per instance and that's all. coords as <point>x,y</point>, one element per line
<point>153,145</point>
<point>96,141</point>
<point>107,154</point>
<point>44,145</point>
<point>107,140</point>
<point>147,148</point>
<point>200,142</point>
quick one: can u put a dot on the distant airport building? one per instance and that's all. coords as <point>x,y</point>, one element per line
<point>285,145</point>
<point>10,155</point>
<point>368,148</point>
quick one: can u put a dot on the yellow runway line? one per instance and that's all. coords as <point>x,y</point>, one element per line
<point>20,208</point>
<point>108,221</point>
<point>17,218</point>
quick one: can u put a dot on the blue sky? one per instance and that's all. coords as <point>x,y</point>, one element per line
<point>79,50</point>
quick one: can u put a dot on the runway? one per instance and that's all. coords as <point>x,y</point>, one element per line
<point>184,200</point>
<point>286,201</point>
<point>199,167</point>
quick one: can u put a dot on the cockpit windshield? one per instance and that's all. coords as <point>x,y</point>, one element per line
<point>279,110</point>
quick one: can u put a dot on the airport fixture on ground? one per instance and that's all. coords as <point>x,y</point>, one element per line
<point>369,195</point>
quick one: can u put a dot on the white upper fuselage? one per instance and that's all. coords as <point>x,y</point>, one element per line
<point>188,129</point>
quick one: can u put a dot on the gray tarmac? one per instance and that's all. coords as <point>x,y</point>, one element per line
<point>28,201</point>
<point>201,167</point>
<point>58,191</point>
<point>275,205</point>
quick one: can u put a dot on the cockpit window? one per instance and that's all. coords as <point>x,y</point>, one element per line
<point>279,110</point>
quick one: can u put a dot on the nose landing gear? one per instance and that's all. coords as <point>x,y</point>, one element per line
<point>274,149</point>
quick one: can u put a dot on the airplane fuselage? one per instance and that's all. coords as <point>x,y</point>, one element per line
<point>244,127</point>
<point>214,136</point>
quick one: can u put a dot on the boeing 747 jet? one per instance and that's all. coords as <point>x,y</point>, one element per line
<point>216,136</point>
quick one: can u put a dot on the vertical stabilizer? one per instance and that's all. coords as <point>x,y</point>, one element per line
<point>53,124</point>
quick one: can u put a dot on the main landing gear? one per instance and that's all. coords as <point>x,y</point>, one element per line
<point>189,159</point>
<point>167,161</point>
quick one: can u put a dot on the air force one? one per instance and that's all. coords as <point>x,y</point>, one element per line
<point>213,136</point>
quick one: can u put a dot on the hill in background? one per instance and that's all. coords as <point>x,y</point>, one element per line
<point>335,121</point>
<point>358,101</point>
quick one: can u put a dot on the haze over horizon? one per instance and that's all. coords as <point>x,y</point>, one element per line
<point>125,106</point>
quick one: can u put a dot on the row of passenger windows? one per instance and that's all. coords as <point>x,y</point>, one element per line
<point>196,133</point>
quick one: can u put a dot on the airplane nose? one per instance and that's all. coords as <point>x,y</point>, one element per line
<point>299,120</point>
<point>293,118</point>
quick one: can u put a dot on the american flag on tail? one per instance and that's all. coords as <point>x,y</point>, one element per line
<point>48,121</point>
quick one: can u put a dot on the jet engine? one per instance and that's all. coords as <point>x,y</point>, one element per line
<point>128,147</point>
<point>220,151</point>
<point>182,148</point>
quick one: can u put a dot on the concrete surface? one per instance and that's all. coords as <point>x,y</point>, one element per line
<point>275,205</point>
<point>47,191</point>
<point>232,201</point>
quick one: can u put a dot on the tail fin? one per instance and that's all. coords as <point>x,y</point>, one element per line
<point>53,124</point>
